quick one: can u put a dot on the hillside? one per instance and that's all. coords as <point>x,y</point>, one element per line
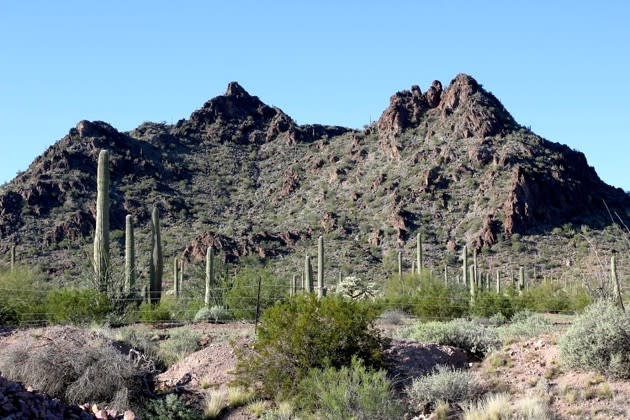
<point>451,163</point>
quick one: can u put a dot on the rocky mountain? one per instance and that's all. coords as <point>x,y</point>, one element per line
<point>450,162</point>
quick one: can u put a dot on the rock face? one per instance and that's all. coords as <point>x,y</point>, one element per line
<point>245,177</point>
<point>18,403</point>
<point>465,106</point>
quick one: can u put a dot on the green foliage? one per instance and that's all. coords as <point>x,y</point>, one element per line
<point>424,297</point>
<point>154,312</point>
<point>305,333</point>
<point>488,304</point>
<point>352,392</point>
<point>170,407</point>
<point>76,306</point>
<point>241,298</point>
<point>599,339</point>
<point>467,335</point>
<point>22,298</point>
<point>215,314</point>
<point>180,343</point>
<point>524,325</point>
<point>444,384</point>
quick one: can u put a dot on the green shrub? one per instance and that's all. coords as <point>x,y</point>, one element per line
<point>599,339</point>
<point>444,384</point>
<point>154,313</point>
<point>213,314</point>
<point>22,298</point>
<point>305,333</point>
<point>170,407</point>
<point>241,298</point>
<point>551,297</point>
<point>524,325</point>
<point>180,343</point>
<point>77,306</point>
<point>425,298</point>
<point>352,392</point>
<point>488,304</point>
<point>467,335</point>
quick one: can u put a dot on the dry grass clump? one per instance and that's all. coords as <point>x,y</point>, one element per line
<point>73,365</point>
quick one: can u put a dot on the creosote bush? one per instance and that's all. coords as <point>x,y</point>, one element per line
<point>22,297</point>
<point>599,339</point>
<point>351,392</point>
<point>305,333</point>
<point>241,297</point>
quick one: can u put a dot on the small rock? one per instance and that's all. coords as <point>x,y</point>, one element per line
<point>95,408</point>
<point>129,415</point>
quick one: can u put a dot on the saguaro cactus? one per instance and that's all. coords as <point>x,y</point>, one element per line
<point>320,267</point>
<point>157,263</point>
<point>521,279</point>
<point>308,274</point>
<point>400,271</point>
<point>615,282</point>
<point>12,258</point>
<point>419,260</point>
<point>465,265</point>
<point>209,273</point>
<point>475,276</point>
<point>176,277</point>
<point>101,234</point>
<point>130,256</point>
<point>498,282</point>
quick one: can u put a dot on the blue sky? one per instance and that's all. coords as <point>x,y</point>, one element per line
<point>561,67</point>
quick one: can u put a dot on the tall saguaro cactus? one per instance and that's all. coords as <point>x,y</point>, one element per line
<point>320,267</point>
<point>521,279</point>
<point>130,256</point>
<point>176,277</point>
<point>465,265</point>
<point>157,263</point>
<point>419,259</point>
<point>308,274</point>
<point>101,234</point>
<point>12,258</point>
<point>400,271</point>
<point>209,274</point>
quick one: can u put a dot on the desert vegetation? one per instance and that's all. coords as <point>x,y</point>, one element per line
<point>452,322</point>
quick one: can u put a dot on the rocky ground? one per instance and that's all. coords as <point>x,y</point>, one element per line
<point>526,368</point>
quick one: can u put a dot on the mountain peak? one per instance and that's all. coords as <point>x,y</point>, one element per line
<point>234,89</point>
<point>464,109</point>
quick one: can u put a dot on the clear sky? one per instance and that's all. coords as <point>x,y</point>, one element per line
<point>561,67</point>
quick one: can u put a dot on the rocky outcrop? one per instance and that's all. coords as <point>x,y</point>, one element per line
<point>465,109</point>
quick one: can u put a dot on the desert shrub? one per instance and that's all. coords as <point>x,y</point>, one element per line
<point>154,312</point>
<point>424,297</point>
<point>524,325</point>
<point>599,339</point>
<point>170,407</point>
<point>356,288</point>
<point>305,333</point>
<point>488,304</point>
<point>241,297</point>
<point>443,384</point>
<point>467,335</point>
<point>180,343</point>
<point>212,314</point>
<point>180,309</point>
<point>551,297</point>
<point>22,298</point>
<point>77,306</point>
<point>75,366</point>
<point>351,392</point>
